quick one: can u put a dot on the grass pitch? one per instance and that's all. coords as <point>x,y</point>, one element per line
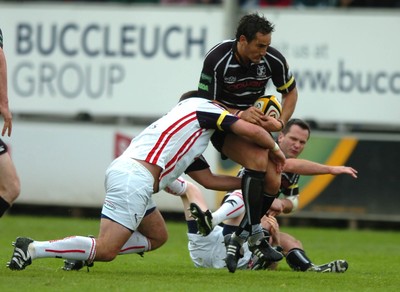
<point>373,256</point>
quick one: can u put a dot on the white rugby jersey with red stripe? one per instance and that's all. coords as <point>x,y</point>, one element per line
<point>179,137</point>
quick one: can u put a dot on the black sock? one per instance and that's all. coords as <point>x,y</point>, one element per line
<point>267,202</point>
<point>296,258</point>
<point>229,229</point>
<point>3,206</point>
<point>252,190</point>
<point>192,226</point>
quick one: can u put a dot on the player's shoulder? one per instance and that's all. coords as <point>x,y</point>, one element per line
<point>274,53</point>
<point>220,49</point>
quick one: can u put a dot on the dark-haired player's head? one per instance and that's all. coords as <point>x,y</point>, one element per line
<point>188,94</point>
<point>250,24</point>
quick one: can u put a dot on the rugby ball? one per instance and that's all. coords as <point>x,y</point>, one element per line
<point>269,105</point>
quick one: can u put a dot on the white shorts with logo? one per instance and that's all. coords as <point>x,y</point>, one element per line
<point>129,189</point>
<point>210,252</point>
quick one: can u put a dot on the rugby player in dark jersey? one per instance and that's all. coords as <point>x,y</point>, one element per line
<point>236,72</point>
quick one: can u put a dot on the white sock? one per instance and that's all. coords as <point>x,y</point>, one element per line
<point>135,244</point>
<point>74,248</point>
<point>231,208</point>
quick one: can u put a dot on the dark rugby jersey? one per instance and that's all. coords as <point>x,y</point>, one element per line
<point>289,184</point>
<point>223,78</point>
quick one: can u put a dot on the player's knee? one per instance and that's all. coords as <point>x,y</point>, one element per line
<point>159,241</point>
<point>10,190</point>
<point>106,252</point>
<point>272,186</point>
<point>109,255</point>
<point>14,190</point>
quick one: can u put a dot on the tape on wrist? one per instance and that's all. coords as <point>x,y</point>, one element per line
<point>276,147</point>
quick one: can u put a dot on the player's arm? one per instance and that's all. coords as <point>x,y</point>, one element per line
<point>307,167</point>
<point>285,84</point>
<point>4,108</point>
<point>289,101</point>
<point>200,171</point>
<point>216,182</point>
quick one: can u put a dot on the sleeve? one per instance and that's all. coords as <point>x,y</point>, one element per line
<point>214,116</point>
<point>211,79</point>
<point>282,77</point>
<point>294,200</point>
<point>207,84</point>
<point>199,164</point>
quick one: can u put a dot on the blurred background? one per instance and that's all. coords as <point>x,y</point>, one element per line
<point>84,77</point>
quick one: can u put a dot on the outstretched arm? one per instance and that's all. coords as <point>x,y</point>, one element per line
<point>307,167</point>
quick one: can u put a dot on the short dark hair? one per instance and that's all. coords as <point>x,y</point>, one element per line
<point>298,122</point>
<point>250,24</point>
<point>189,94</point>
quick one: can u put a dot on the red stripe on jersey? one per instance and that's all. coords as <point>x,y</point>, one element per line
<point>170,166</point>
<point>162,142</point>
<point>65,251</point>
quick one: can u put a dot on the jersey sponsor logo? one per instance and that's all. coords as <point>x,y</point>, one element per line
<point>247,84</point>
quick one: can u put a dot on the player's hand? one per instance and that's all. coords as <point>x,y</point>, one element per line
<point>271,224</point>
<point>276,208</point>
<point>278,158</point>
<point>335,170</point>
<point>253,115</point>
<point>7,127</point>
<point>274,226</point>
<point>271,124</point>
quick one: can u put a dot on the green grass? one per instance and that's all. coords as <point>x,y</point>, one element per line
<point>373,256</point>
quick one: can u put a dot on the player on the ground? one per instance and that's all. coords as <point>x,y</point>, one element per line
<point>209,251</point>
<point>292,140</point>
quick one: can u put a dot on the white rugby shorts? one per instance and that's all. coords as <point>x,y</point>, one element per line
<point>210,252</point>
<point>129,189</point>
